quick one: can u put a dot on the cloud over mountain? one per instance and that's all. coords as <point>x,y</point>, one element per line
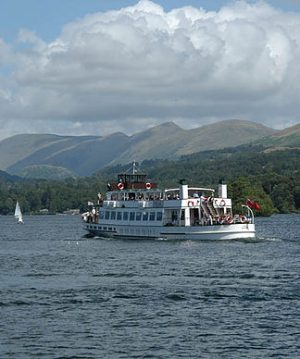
<point>140,65</point>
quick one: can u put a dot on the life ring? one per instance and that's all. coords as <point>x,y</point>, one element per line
<point>148,185</point>
<point>190,203</point>
<point>243,219</point>
<point>222,220</point>
<point>229,220</point>
<point>121,186</point>
<point>222,203</point>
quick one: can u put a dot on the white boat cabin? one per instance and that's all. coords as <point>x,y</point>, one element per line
<point>134,200</point>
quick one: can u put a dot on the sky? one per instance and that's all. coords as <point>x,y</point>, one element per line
<point>93,67</point>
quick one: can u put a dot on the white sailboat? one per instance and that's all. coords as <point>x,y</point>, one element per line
<point>18,213</point>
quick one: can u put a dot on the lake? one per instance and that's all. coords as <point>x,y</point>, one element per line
<point>65,296</point>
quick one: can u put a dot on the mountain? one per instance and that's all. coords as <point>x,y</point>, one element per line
<point>84,155</point>
<point>169,140</point>
<point>161,141</point>
<point>289,137</point>
<point>81,155</point>
<point>20,147</point>
<point>6,177</point>
<point>46,172</point>
<point>224,134</point>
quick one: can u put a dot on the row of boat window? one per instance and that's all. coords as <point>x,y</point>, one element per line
<point>110,229</point>
<point>131,216</point>
<point>127,230</point>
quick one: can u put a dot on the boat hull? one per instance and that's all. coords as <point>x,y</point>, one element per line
<point>215,232</point>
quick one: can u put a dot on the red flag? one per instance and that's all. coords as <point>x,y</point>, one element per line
<point>253,205</point>
<point>257,206</point>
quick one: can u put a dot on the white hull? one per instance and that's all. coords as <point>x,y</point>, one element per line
<point>216,232</point>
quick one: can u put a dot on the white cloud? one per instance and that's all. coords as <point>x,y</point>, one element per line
<point>140,65</point>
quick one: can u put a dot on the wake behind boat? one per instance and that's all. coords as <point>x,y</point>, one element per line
<point>135,208</point>
<point>18,213</point>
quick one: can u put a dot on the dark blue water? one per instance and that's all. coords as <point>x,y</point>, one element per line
<point>63,296</point>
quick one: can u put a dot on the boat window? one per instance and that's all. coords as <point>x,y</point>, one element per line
<point>131,196</point>
<point>159,216</point>
<point>125,216</point>
<point>101,215</point>
<point>138,216</point>
<point>152,216</point>
<point>174,216</point>
<point>119,216</point>
<point>107,215</point>
<point>182,215</point>
<point>113,215</point>
<point>131,217</point>
<point>145,216</point>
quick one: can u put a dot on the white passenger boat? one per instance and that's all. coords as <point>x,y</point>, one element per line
<point>135,208</point>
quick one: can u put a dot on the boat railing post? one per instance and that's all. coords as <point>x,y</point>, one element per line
<point>187,217</point>
<point>249,212</point>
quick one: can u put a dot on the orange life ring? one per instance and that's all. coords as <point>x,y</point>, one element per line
<point>121,186</point>
<point>148,185</point>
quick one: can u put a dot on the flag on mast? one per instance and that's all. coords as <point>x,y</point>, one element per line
<point>253,205</point>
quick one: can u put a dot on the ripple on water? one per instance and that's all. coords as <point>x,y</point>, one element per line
<point>64,296</point>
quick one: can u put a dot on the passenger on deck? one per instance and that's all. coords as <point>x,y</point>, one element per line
<point>100,199</point>
<point>93,214</point>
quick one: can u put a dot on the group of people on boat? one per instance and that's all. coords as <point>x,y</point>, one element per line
<point>91,216</point>
<point>229,219</point>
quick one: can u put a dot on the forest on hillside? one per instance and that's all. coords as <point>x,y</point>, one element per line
<point>270,178</point>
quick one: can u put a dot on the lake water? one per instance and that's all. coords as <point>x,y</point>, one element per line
<point>64,296</point>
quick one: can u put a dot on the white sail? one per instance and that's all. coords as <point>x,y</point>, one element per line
<point>18,213</point>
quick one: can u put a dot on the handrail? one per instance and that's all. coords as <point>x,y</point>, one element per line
<point>250,211</point>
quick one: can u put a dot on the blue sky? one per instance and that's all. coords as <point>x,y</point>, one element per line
<point>75,67</point>
<point>46,17</point>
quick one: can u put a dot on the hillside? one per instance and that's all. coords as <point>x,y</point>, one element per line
<point>224,134</point>
<point>6,177</point>
<point>289,137</point>
<point>272,178</point>
<point>170,141</point>
<point>21,147</point>
<point>85,155</point>
<point>46,172</point>
<point>81,156</point>
<point>161,141</point>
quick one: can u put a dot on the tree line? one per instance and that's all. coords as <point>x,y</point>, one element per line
<point>270,178</point>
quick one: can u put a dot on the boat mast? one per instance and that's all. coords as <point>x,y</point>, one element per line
<point>134,170</point>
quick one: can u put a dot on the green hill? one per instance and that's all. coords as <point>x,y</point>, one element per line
<point>46,172</point>
<point>289,137</point>
<point>270,177</point>
<point>85,155</point>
